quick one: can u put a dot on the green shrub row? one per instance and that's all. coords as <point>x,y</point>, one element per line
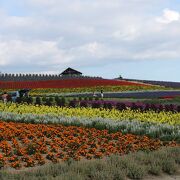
<point>134,166</point>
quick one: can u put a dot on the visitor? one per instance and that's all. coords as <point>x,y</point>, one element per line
<point>102,95</point>
<point>5,97</point>
<point>14,96</point>
<point>94,94</point>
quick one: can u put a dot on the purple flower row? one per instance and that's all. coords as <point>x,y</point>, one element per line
<point>124,105</point>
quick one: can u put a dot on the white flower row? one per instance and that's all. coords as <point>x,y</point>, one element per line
<point>154,130</point>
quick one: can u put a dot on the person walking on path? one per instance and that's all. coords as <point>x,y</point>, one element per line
<point>4,97</point>
<point>94,94</point>
<point>102,95</point>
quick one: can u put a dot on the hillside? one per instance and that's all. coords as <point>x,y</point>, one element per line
<point>67,83</point>
<point>160,83</point>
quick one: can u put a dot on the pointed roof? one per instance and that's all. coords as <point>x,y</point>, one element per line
<point>70,71</point>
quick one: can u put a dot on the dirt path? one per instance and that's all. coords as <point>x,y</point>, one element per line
<point>164,177</point>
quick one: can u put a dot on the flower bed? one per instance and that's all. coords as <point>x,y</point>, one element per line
<point>68,83</point>
<point>163,132</point>
<point>95,103</point>
<point>149,116</point>
<point>109,104</point>
<point>28,145</point>
<point>97,88</point>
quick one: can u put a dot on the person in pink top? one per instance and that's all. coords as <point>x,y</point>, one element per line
<point>5,97</point>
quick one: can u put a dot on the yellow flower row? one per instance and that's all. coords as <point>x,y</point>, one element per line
<point>149,116</point>
<point>96,89</point>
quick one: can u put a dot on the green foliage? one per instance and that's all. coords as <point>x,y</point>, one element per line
<point>48,102</point>
<point>135,166</point>
<point>44,98</point>
<point>38,100</point>
<point>136,171</point>
<point>56,99</point>
<point>155,169</point>
<point>51,99</point>
<point>29,100</point>
<point>18,100</point>
<point>63,101</point>
<point>31,149</point>
<point>1,164</point>
<point>169,166</point>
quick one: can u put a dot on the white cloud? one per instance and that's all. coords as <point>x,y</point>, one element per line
<point>57,33</point>
<point>25,53</point>
<point>93,48</point>
<point>128,33</point>
<point>168,16</point>
<point>92,51</point>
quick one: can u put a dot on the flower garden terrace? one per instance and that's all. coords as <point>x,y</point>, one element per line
<point>169,117</point>
<point>68,83</point>
<point>162,125</point>
<point>28,145</point>
<point>161,83</point>
<point>33,135</point>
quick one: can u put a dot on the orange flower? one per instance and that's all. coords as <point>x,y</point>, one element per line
<point>31,141</point>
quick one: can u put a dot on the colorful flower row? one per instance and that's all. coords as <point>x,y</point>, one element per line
<point>98,88</point>
<point>68,83</point>
<point>107,104</point>
<point>28,145</point>
<point>163,132</point>
<point>93,89</point>
<point>148,116</point>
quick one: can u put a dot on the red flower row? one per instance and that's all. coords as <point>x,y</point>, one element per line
<point>68,83</point>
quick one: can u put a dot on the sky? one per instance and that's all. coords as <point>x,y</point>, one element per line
<point>137,39</point>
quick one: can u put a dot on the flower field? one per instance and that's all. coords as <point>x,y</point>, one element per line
<point>123,88</point>
<point>107,104</point>
<point>28,145</point>
<point>161,131</point>
<point>68,83</point>
<point>163,125</point>
<point>34,134</point>
<point>148,116</point>
<point>98,88</point>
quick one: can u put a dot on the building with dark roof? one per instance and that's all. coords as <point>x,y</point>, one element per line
<point>70,72</point>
